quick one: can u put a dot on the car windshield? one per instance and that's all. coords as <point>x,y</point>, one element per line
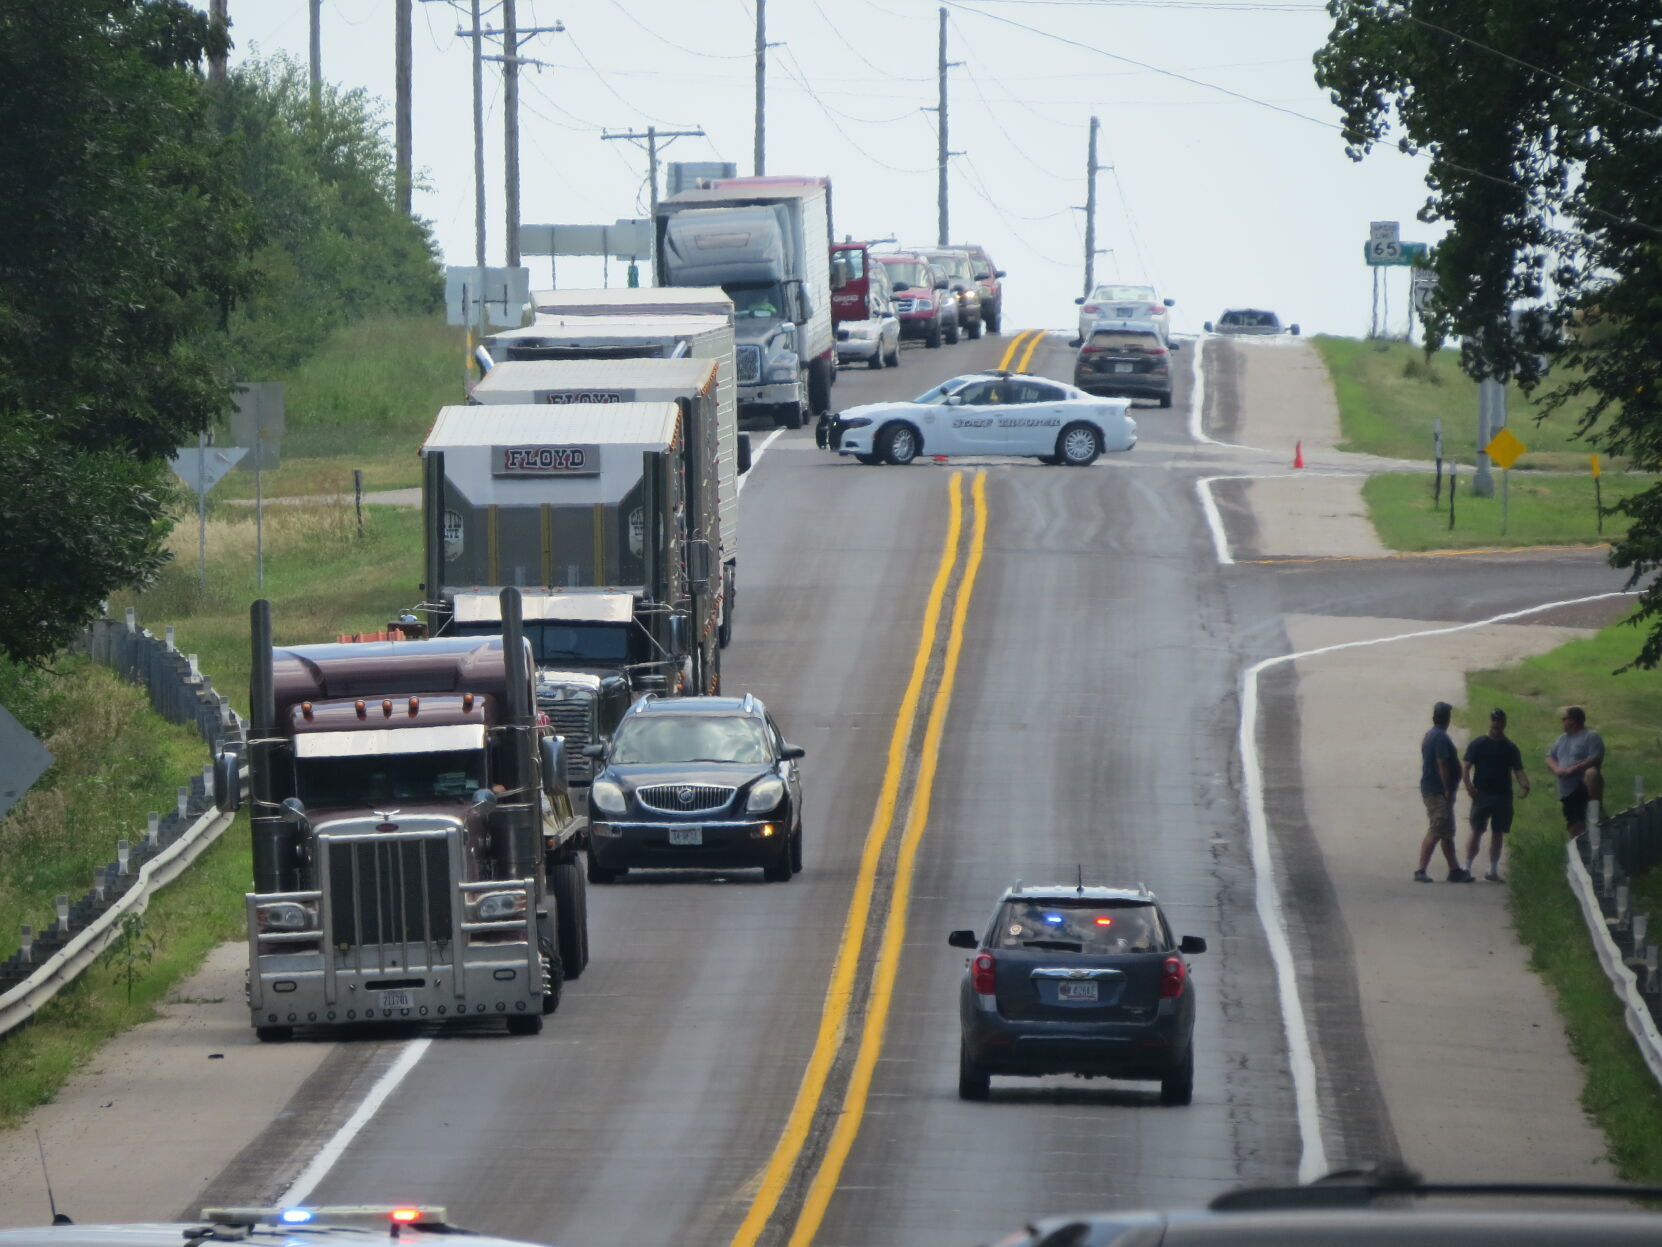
<point>569,643</point>
<point>910,272</point>
<point>950,386</point>
<point>1250,320</point>
<point>690,738</point>
<point>380,782</point>
<point>1100,928</point>
<point>957,265</point>
<point>1116,294</point>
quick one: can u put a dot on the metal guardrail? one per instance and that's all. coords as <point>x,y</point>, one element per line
<point>1601,866</point>
<point>49,959</point>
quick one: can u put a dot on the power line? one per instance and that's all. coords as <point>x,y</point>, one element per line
<point>711,56</point>
<point>861,56</point>
<point>605,82</point>
<point>789,64</point>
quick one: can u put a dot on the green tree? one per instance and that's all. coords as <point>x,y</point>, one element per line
<point>1542,126</point>
<point>333,245</point>
<point>126,242</point>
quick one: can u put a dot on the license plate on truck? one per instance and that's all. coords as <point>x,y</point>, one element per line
<point>686,835</point>
<point>396,1000</point>
<point>1076,991</point>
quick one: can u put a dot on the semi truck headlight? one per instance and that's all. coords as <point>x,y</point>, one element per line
<point>280,916</point>
<point>607,796</point>
<point>765,795</point>
<point>499,906</point>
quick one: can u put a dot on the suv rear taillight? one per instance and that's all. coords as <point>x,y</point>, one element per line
<point>1172,977</point>
<point>1155,309</point>
<point>1092,350</point>
<point>1091,307</point>
<point>982,976</point>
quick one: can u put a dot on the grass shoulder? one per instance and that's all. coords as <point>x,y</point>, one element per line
<point>1619,1092</point>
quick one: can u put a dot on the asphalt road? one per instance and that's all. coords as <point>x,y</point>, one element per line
<point>1091,725</point>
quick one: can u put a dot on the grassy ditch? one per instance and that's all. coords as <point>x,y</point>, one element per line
<point>1619,1093</point>
<point>365,401</point>
<point>1390,397</point>
<point>1541,510</point>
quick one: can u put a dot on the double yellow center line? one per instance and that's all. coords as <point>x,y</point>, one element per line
<point>810,1099</point>
<point>1023,345</point>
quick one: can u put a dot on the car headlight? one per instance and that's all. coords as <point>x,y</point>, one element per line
<point>607,797</point>
<point>765,794</point>
<point>854,422</point>
<point>499,907</point>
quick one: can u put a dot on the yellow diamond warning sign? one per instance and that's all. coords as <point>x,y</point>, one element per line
<point>1505,448</point>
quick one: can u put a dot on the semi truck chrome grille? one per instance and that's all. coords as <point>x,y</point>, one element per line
<point>572,720</point>
<point>684,798</point>
<point>748,360</point>
<point>389,890</point>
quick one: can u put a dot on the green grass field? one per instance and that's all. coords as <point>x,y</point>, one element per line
<point>1541,510</point>
<point>1620,1093</point>
<point>1390,398</point>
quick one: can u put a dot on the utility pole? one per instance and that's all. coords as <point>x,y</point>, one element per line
<point>1090,213</point>
<point>943,228</point>
<point>221,20</point>
<point>512,37</point>
<point>317,55</point>
<point>402,176</point>
<point>477,35</point>
<point>761,160</point>
<point>650,137</point>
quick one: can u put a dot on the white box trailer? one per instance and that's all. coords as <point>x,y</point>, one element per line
<point>587,506</point>
<point>634,301</point>
<point>711,470</point>
<point>577,337</point>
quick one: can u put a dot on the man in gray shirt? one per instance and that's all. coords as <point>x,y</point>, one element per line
<point>1577,758</point>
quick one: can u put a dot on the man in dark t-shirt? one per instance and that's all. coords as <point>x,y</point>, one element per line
<point>1492,761</point>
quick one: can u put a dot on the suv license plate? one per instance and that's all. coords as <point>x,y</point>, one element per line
<point>396,1000</point>
<point>1122,367</point>
<point>1076,991</point>
<point>686,835</point>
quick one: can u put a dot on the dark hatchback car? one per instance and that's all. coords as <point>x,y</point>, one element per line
<point>696,782</point>
<point>1078,980</point>
<point>1125,359</point>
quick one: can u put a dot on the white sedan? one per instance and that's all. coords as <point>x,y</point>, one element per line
<point>1123,303</point>
<point>987,413</point>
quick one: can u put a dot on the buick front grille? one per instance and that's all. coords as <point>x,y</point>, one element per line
<point>684,798</point>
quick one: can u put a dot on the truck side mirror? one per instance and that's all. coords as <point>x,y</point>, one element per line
<point>228,782</point>
<point>294,812</point>
<point>999,272</point>
<point>1169,302</point>
<point>1207,326</point>
<point>793,751</point>
<point>800,335</point>
<point>963,939</point>
<point>1080,300</point>
<point>484,799</point>
<point>553,765</point>
<point>744,453</point>
<point>594,751</point>
<point>678,634</point>
<point>1191,944</point>
<point>1176,346</point>
<point>1294,331</point>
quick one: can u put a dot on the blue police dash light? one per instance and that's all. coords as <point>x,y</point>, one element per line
<point>296,1216</point>
<point>1054,919</point>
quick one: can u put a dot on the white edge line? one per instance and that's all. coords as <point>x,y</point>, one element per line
<point>1214,519</point>
<point>1313,1155</point>
<point>755,458</point>
<point>332,1151</point>
<point>1197,401</point>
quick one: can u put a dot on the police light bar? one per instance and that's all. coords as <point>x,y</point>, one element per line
<point>364,1216</point>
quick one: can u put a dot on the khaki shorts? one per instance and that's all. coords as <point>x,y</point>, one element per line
<point>1439,813</point>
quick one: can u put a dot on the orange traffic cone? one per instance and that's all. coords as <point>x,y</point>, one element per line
<point>1298,455</point>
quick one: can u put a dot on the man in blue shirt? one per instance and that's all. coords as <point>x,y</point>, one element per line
<point>1577,758</point>
<point>1439,781</point>
<point>1492,763</point>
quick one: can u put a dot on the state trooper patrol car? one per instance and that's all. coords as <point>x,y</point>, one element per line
<point>333,1226</point>
<point>987,413</point>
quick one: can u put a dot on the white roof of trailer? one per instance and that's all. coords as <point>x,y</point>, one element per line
<point>516,376</point>
<point>623,325</point>
<point>630,300</point>
<point>585,606</point>
<point>500,424</point>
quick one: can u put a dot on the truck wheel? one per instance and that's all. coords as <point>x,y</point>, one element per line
<point>870,460</point>
<point>894,355</point>
<point>555,979</point>
<point>568,888</point>
<point>729,600</point>
<point>600,874</point>
<point>1178,1087</point>
<point>934,338</point>
<point>1078,445</point>
<point>819,386</point>
<point>899,444</point>
<point>877,360</point>
<point>274,1034</point>
<point>992,318</point>
<point>976,330</point>
<point>525,1023</point>
<point>792,416</point>
<point>779,871</point>
<point>796,852</point>
<point>954,333</point>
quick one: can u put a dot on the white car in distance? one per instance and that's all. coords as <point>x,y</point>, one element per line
<point>1123,303</point>
<point>988,413</point>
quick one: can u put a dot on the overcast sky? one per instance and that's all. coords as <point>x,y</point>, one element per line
<point>1228,185</point>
